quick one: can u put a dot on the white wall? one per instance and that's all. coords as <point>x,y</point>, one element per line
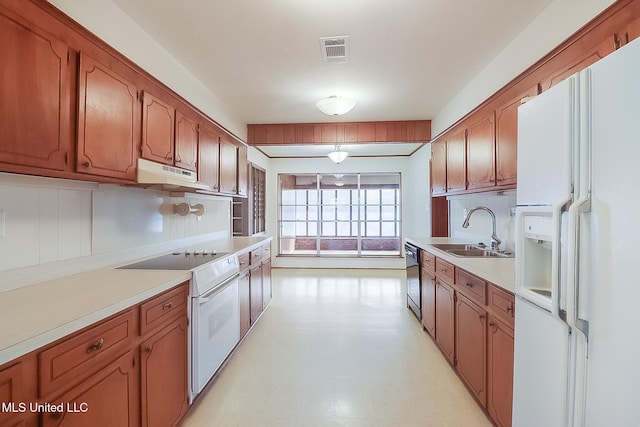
<point>417,203</point>
<point>556,23</point>
<point>55,227</point>
<point>111,24</point>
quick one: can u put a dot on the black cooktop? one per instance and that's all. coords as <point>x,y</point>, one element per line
<point>176,261</point>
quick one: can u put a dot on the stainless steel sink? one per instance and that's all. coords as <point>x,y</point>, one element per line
<point>478,253</point>
<point>470,250</point>
<point>455,246</point>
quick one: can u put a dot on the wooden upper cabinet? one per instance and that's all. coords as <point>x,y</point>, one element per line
<point>186,145</point>
<point>158,119</point>
<point>108,122</point>
<point>480,153</point>
<point>577,57</point>
<point>209,156</point>
<point>456,161</point>
<point>243,171</point>
<point>337,133</point>
<point>228,166</point>
<point>36,96</point>
<point>439,167</point>
<point>507,138</point>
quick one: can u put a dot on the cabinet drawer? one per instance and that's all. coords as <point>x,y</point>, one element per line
<point>163,308</point>
<point>266,252</point>
<point>256,256</point>
<point>444,271</point>
<point>473,287</point>
<point>76,358</point>
<point>501,304</point>
<point>243,261</point>
<point>427,261</point>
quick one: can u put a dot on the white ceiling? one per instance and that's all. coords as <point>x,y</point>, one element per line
<point>262,58</point>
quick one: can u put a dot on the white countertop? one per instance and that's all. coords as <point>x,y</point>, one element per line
<point>36,315</point>
<point>499,271</point>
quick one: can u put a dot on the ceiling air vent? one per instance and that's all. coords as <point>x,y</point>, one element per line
<point>335,49</point>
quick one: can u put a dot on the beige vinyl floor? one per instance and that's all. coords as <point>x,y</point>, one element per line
<point>336,348</point>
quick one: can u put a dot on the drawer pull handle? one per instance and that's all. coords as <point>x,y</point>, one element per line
<point>96,346</point>
<point>510,309</point>
<point>168,306</point>
<point>470,285</point>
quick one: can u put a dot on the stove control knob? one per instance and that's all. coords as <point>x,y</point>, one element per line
<point>187,253</point>
<point>205,253</point>
<point>196,253</point>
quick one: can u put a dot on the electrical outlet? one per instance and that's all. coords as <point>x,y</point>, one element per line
<point>512,212</point>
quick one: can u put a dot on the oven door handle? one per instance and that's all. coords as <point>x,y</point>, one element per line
<point>216,290</point>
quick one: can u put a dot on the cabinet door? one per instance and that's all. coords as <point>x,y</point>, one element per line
<point>439,167</point>
<point>255,287</point>
<point>243,171</point>
<point>158,119</point>
<point>186,142</point>
<point>500,372</point>
<point>471,346</point>
<point>266,283</point>
<point>108,398</point>
<point>18,387</point>
<point>428,283</point>
<point>245,303</point>
<point>164,376</point>
<point>36,100</point>
<point>228,166</point>
<point>457,162</point>
<point>507,138</point>
<point>480,153</point>
<point>209,156</point>
<point>108,122</point>
<point>445,320</point>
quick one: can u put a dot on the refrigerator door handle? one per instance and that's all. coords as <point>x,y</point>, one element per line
<point>582,206</point>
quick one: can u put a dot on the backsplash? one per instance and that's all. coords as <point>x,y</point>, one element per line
<point>480,227</point>
<point>48,221</point>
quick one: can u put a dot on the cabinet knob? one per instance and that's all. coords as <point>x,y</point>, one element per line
<point>96,346</point>
<point>86,164</point>
<point>168,306</point>
<point>149,349</point>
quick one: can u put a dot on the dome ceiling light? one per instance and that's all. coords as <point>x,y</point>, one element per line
<point>335,105</point>
<point>337,156</point>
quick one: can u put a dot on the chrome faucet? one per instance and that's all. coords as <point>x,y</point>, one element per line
<point>495,242</point>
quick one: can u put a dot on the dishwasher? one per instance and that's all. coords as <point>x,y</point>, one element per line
<point>412,257</point>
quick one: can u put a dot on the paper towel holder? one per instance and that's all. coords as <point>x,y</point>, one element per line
<point>184,209</point>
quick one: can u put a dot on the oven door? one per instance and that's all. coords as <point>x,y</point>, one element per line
<point>215,331</point>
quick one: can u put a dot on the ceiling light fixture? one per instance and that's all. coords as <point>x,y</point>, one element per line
<point>335,105</point>
<point>337,156</point>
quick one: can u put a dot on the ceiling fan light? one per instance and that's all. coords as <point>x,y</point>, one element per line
<point>335,105</point>
<point>338,155</point>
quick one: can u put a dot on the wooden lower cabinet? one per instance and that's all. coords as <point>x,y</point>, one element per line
<point>500,348</point>
<point>255,287</point>
<point>245,302</point>
<point>428,295</point>
<point>18,384</point>
<point>474,328</point>
<point>164,376</point>
<point>471,346</point>
<point>107,398</point>
<point>445,320</point>
<point>266,283</point>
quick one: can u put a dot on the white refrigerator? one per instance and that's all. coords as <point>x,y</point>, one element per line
<point>577,322</point>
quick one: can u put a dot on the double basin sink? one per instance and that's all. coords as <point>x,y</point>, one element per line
<point>470,250</point>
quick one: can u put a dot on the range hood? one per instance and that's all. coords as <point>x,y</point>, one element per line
<point>169,177</point>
